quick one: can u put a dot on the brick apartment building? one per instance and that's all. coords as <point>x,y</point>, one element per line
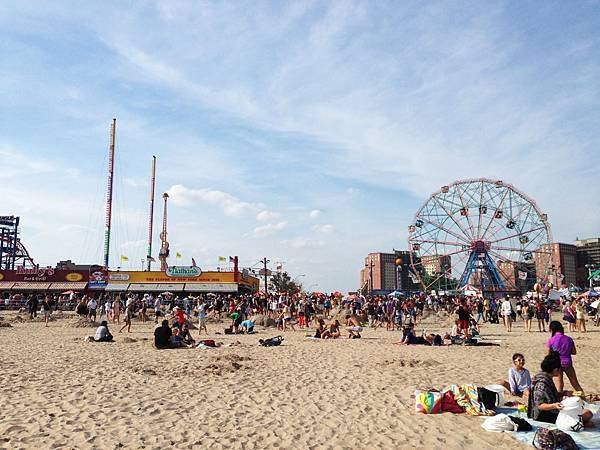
<point>379,273</point>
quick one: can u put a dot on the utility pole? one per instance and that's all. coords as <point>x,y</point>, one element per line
<point>109,193</point>
<point>265,261</point>
<point>151,221</point>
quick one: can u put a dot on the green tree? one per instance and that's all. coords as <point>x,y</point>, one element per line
<point>282,282</point>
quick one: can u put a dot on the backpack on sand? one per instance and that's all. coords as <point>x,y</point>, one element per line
<point>271,342</point>
<point>553,440</point>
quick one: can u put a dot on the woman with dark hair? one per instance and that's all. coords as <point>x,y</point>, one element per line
<point>544,401</point>
<point>565,347</point>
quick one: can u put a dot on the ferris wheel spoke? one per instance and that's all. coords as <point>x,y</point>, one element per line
<point>480,211</point>
<point>494,214</point>
<point>466,208</point>
<point>521,250</point>
<point>441,227</point>
<point>518,234</point>
<point>456,244</point>
<point>451,216</point>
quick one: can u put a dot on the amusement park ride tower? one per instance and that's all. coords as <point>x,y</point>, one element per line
<point>164,248</point>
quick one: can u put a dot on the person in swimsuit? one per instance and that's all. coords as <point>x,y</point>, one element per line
<point>116,308</point>
<point>353,326</point>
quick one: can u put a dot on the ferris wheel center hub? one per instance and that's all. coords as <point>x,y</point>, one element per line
<point>480,246</point>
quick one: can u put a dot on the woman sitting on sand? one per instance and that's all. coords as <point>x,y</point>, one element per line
<point>334,330</point>
<point>102,333</point>
<point>473,328</point>
<point>320,330</point>
<point>544,400</point>
<point>186,335</point>
<point>519,379</point>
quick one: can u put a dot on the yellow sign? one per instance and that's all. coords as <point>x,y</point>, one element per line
<point>74,277</point>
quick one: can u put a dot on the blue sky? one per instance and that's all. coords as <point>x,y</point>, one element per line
<point>308,132</point>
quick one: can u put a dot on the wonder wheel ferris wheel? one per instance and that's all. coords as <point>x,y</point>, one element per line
<point>482,233</point>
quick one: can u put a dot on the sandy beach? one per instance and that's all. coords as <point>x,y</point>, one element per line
<point>61,392</point>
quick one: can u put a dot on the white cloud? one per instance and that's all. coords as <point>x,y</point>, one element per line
<point>314,214</point>
<point>266,216</point>
<point>302,242</point>
<point>270,228</point>
<point>323,228</point>
<point>133,244</point>
<point>231,205</point>
<point>135,182</point>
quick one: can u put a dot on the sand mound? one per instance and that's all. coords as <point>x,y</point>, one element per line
<point>81,323</point>
<point>128,340</point>
<point>264,321</point>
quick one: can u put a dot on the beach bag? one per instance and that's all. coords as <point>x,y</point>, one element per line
<point>499,423</point>
<point>428,401</point>
<point>488,398</point>
<point>546,439</point>
<point>450,405</point>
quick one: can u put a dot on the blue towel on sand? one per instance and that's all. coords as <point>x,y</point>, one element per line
<point>588,438</point>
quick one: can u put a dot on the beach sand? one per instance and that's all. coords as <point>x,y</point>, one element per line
<point>58,391</point>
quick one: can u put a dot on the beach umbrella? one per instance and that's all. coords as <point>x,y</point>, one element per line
<point>592,293</point>
<point>595,304</point>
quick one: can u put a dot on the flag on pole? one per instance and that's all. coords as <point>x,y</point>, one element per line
<point>193,262</point>
<point>413,277</point>
<point>151,259</point>
<point>231,259</point>
<point>222,259</point>
<point>177,255</point>
<point>522,275</point>
<point>124,258</point>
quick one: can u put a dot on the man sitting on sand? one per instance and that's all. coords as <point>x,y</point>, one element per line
<point>162,335</point>
<point>353,326</point>
<point>102,333</point>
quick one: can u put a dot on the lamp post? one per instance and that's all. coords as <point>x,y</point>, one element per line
<point>398,267</point>
<point>589,267</point>
<point>370,266</point>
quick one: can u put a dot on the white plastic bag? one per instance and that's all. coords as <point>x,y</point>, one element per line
<point>499,423</point>
<point>569,417</point>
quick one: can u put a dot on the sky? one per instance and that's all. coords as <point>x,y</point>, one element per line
<point>305,132</point>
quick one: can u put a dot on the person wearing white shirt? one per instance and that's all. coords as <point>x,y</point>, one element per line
<point>506,311</point>
<point>92,305</point>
